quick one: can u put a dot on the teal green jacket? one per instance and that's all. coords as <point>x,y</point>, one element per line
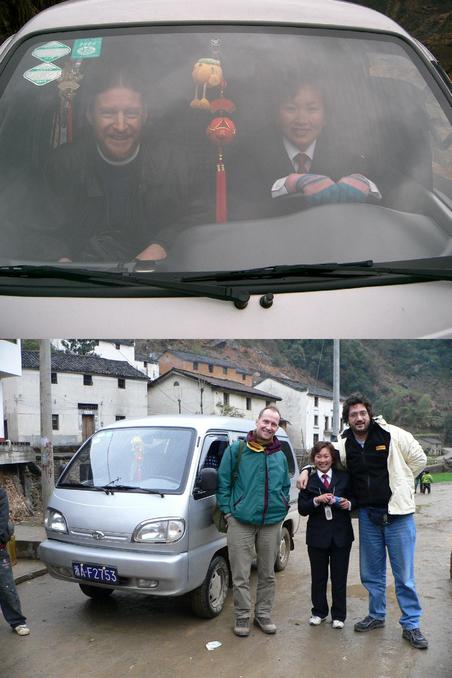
<point>260,494</point>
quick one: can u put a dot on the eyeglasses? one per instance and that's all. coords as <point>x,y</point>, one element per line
<point>355,415</point>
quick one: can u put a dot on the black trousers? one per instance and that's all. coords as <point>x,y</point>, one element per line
<point>336,559</point>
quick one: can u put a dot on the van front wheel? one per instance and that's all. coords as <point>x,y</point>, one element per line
<point>284,551</point>
<point>95,592</point>
<point>207,600</point>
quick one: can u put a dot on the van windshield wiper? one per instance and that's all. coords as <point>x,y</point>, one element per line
<point>438,268</point>
<point>113,486</point>
<point>236,286</point>
<point>121,278</point>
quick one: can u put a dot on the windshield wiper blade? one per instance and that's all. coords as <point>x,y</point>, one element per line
<point>126,488</point>
<point>280,271</point>
<point>413,269</point>
<point>124,277</point>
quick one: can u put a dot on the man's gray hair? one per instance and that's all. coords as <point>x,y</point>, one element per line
<point>273,408</point>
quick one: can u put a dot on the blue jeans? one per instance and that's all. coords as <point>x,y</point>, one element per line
<point>9,600</point>
<point>399,538</point>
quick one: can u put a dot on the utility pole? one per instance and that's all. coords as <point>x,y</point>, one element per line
<point>336,388</point>
<point>47,473</point>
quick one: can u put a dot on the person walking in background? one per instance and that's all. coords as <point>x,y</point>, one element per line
<point>418,482</point>
<point>253,493</point>
<point>383,461</point>
<point>9,598</point>
<point>426,482</point>
<point>327,501</point>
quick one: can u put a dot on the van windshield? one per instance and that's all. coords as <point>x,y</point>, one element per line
<point>222,148</point>
<point>144,458</point>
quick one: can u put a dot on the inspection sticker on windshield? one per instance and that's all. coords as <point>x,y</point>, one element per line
<point>51,51</point>
<point>43,74</point>
<point>86,48</point>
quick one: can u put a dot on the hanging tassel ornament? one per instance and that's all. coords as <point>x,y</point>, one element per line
<point>68,85</point>
<point>221,130</point>
<point>208,73</point>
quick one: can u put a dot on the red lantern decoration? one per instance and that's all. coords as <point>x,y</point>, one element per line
<point>221,131</point>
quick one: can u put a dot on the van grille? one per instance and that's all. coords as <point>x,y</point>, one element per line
<point>99,536</point>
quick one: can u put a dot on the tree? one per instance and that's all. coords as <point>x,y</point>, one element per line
<point>13,15</point>
<point>229,411</point>
<point>79,346</point>
<point>448,429</point>
<point>30,344</point>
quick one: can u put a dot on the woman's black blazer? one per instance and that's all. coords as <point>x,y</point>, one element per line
<point>320,532</point>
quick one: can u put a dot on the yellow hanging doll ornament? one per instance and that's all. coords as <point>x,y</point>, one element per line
<point>206,73</point>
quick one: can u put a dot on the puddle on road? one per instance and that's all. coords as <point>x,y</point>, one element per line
<point>358,591</point>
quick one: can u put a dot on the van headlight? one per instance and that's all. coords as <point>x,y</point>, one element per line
<point>55,521</point>
<point>159,531</point>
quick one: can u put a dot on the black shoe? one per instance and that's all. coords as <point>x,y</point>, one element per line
<point>368,624</point>
<point>415,638</point>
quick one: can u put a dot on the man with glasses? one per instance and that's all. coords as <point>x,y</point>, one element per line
<point>383,461</point>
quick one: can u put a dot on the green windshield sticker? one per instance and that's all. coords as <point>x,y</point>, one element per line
<point>43,74</point>
<point>51,51</point>
<point>86,48</point>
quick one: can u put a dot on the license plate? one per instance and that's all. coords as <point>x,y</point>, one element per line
<point>97,573</point>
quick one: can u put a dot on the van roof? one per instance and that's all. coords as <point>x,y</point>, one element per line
<point>198,421</point>
<point>103,13</point>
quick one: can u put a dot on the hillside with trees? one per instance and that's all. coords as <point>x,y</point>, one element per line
<point>409,382</point>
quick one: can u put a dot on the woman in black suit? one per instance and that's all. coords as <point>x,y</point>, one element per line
<point>327,500</point>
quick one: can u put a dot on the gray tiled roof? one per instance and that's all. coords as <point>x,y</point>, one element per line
<point>224,384</point>
<point>193,357</point>
<point>83,364</point>
<point>309,389</point>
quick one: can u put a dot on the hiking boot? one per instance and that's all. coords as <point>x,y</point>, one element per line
<point>242,627</point>
<point>369,624</point>
<point>21,630</point>
<point>316,621</point>
<point>265,624</point>
<point>415,638</point>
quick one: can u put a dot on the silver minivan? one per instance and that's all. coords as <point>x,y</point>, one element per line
<point>133,510</point>
<point>212,77</point>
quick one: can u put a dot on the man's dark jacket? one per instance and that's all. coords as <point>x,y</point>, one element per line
<point>162,190</point>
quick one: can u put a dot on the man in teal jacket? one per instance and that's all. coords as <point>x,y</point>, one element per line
<point>253,493</point>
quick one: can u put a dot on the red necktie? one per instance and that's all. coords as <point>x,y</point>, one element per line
<point>325,481</point>
<point>302,163</point>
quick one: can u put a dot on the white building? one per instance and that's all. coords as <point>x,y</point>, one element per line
<point>180,391</point>
<point>10,366</point>
<point>122,350</point>
<point>88,392</point>
<point>308,409</point>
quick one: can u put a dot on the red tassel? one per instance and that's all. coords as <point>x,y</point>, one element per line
<point>222,199</point>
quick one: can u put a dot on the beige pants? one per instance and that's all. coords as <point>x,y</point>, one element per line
<point>246,542</point>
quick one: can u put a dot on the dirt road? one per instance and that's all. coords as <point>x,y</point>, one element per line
<point>134,636</point>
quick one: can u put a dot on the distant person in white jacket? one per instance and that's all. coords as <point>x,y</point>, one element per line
<point>383,461</point>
